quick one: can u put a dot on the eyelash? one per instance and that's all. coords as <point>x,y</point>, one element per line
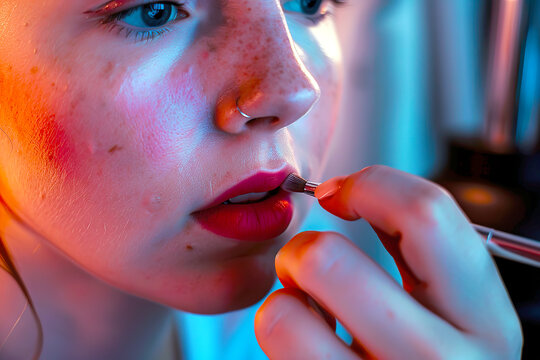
<point>315,19</point>
<point>112,22</point>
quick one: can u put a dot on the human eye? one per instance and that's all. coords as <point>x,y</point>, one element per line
<point>313,10</point>
<point>144,22</point>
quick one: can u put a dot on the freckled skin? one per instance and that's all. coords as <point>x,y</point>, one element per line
<point>100,126</point>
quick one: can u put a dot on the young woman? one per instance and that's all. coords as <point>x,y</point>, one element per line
<point>132,132</point>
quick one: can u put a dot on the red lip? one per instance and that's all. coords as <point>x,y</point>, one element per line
<point>256,221</point>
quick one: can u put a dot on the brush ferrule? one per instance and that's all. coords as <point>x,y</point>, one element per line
<point>310,188</point>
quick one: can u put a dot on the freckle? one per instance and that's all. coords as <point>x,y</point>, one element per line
<point>189,247</point>
<point>53,84</point>
<point>42,196</point>
<point>26,24</point>
<point>115,148</point>
<point>34,70</point>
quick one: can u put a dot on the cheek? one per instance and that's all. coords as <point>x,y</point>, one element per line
<point>30,117</point>
<point>166,119</point>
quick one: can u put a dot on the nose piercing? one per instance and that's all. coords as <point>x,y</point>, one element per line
<point>240,111</point>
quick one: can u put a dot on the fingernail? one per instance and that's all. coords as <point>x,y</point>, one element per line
<point>328,188</point>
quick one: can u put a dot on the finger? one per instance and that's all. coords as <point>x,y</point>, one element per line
<point>456,275</point>
<point>287,327</point>
<point>376,311</point>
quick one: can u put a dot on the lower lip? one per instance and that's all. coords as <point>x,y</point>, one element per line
<point>249,222</point>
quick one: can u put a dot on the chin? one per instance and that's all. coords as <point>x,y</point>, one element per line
<point>243,281</point>
<point>233,285</point>
<point>228,285</point>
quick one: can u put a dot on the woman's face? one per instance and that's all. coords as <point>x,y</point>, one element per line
<point>121,125</point>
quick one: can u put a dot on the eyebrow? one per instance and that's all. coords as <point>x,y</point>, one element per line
<point>106,7</point>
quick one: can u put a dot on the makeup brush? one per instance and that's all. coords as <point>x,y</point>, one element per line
<point>499,243</point>
<point>295,183</point>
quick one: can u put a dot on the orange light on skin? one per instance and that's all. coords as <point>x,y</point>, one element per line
<point>477,195</point>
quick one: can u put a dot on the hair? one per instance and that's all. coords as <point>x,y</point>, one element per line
<point>7,263</point>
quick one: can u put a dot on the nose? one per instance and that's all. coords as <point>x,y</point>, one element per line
<point>270,87</point>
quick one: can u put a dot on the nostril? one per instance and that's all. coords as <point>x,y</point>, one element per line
<point>260,121</point>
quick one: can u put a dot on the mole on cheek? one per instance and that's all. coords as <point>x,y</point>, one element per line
<point>189,247</point>
<point>114,148</point>
<point>211,47</point>
<point>34,70</point>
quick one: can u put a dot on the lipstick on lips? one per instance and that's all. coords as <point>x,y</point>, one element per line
<point>250,220</point>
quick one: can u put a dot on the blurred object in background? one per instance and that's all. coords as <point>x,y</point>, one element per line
<point>448,90</point>
<point>510,41</point>
<point>493,171</point>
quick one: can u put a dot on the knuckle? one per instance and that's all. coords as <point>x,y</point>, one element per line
<point>430,204</point>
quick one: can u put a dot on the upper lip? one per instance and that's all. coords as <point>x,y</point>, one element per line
<point>262,181</point>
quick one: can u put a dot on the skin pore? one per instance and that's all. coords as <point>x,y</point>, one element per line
<point>111,142</point>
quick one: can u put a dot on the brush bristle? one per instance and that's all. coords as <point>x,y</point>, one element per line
<point>294,183</point>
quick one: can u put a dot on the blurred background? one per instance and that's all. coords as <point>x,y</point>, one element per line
<point>448,90</point>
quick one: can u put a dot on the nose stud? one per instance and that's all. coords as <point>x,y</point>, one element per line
<point>240,111</point>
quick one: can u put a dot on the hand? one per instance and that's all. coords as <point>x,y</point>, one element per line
<point>453,304</point>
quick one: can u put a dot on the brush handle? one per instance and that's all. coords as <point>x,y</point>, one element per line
<point>509,246</point>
